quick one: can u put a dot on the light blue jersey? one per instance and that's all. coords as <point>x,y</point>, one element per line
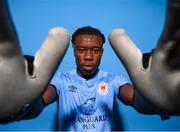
<point>86,105</point>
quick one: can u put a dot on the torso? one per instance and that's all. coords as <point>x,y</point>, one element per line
<point>86,105</point>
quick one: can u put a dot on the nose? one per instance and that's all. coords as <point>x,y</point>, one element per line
<point>88,56</point>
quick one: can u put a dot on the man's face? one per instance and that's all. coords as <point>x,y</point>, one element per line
<point>88,51</point>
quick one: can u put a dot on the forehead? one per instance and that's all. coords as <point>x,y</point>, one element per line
<point>88,39</point>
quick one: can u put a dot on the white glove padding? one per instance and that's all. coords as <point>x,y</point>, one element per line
<point>160,81</point>
<point>21,83</point>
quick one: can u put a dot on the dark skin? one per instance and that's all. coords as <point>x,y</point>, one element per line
<point>88,50</point>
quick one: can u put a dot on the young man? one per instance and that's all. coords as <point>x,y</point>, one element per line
<point>86,94</point>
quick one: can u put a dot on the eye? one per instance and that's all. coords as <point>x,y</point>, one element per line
<point>81,50</point>
<point>96,50</point>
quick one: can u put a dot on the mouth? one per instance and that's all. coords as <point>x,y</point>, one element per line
<point>88,68</point>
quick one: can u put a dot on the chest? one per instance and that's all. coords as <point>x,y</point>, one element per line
<point>86,97</point>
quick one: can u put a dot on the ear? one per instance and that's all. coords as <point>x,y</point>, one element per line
<point>102,50</point>
<point>74,50</point>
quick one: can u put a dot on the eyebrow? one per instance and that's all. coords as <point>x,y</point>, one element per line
<point>85,47</point>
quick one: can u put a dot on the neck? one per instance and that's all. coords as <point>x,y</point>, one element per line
<point>87,76</point>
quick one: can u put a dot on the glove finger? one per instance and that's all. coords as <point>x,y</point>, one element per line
<point>50,54</point>
<point>168,45</point>
<point>173,58</point>
<point>9,45</point>
<point>126,50</point>
<point>172,23</point>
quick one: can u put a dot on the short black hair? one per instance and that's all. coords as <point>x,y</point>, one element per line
<point>87,30</point>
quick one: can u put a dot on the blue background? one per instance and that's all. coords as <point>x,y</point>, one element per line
<point>143,20</point>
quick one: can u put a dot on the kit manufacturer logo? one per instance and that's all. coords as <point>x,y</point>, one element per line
<point>72,88</point>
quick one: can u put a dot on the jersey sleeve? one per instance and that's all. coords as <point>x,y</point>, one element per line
<point>119,82</point>
<point>56,81</point>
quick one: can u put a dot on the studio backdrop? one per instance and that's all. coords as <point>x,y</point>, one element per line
<point>143,20</point>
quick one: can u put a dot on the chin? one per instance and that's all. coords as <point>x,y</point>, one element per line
<point>88,72</point>
<point>85,72</point>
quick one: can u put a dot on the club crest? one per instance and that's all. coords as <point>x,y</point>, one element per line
<point>103,88</point>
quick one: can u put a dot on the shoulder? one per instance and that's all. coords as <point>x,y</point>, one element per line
<point>110,75</point>
<point>65,74</point>
<point>113,79</point>
<point>60,77</point>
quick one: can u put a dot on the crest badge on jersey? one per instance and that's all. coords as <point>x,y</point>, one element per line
<point>103,88</point>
